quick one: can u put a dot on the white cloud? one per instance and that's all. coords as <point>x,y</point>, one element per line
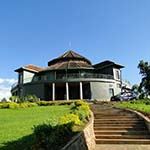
<point>8,81</point>
<point>5,87</point>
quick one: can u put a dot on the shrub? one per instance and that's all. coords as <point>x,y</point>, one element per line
<point>30,98</point>
<point>81,109</point>
<point>4,105</point>
<point>50,103</point>
<point>55,136</point>
<point>14,98</point>
<point>10,105</point>
<point>44,103</point>
<point>13,105</point>
<point>70,118</point>
<point>27,104</point>
<point>52,137</point>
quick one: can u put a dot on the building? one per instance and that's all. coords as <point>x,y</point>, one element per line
<point>70,76</point>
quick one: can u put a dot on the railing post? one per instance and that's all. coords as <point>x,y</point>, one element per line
<point>81,91</point>
<point>53,91</point>
<point>67,91</point>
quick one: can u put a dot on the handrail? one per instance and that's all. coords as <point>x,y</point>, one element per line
<point>65,77</point>
<point>83,75</point>
<point>14,85</point>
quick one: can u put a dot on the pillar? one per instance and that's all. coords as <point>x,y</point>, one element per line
<point>81,91</point>
<point>53,91</point>
<point>67,91</point>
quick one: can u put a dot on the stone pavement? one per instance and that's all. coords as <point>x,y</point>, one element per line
<point>122,147</point>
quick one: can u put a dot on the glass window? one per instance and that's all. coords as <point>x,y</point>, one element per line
<point>117,74</point>
<point>111,92</point>
<point>39,78</point>
<point>118,85</point>
<point>20,78</point>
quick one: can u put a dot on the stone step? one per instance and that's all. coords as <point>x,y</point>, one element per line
<point>120,128</point>
<point>100,115</point>
<point>117,120</point>
<point>122,132</point>
<point>119,125</point>
<point>119,136</point>
<point>122,141</point>
<point>114,116</point>
<point>121,119</point>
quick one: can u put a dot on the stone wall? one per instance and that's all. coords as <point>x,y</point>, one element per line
<point>84,140</point>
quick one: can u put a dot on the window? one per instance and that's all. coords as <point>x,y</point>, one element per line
<point>117,74</point>
<point>20,78</point>
<point>45,77</point>
<point>39,78</point>
<point>111,92</point>
<point>118,85</point>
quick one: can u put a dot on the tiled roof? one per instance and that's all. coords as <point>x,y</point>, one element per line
<point>107,63</point>
<point>71,64</point>
<point>33,67</point>
<point>69,55</point>
<point>30,67</point>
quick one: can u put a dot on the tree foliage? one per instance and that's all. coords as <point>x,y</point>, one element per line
<point>145,82</point>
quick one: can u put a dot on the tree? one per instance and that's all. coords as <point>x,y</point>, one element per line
<point>135,88</point>
<point>145,82</point>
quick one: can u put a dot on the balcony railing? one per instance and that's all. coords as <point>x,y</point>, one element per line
<point>83,75</point>
<point>14,85</point>
<point>65,77</point>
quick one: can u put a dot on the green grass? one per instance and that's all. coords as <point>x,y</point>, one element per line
<point>16,124</point>
<point>135,105</point>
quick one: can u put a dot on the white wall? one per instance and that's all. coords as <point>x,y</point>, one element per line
<point>27,76</point>
<point>101,90</point>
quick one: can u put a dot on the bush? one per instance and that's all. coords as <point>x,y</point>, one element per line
<point>81,109</point>
<point>50,103</point>
<point>27,104</point>
<point>10,105</point>
<point>30,98</point>
<point>70,118</point>
<point>48,136</point>
<point>44,103</point>
<point>52,137</point>
<point>13,105</point>
<point>14,98</point>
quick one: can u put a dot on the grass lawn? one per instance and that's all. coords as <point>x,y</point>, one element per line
<point>137,105</point>
<point>16,124</point>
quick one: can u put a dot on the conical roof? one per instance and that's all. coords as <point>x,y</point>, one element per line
<point>71,54</point>
<point>70,60</point>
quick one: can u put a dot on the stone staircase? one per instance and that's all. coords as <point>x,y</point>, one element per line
<point>115,126</point>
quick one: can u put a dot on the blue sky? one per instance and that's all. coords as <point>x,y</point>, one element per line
<point>35,31</point>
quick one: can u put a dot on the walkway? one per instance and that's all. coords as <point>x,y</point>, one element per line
<point>116,129</point>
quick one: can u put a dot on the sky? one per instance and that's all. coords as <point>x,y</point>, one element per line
<point>36,31</point>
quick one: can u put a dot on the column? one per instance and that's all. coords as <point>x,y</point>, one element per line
<point>53,91</point>
<point>81,91</point>
<point>67,91</point>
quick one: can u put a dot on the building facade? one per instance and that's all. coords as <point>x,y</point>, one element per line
<point>70,76</point>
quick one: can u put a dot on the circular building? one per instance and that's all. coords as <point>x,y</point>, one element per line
<point>70,76</point>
